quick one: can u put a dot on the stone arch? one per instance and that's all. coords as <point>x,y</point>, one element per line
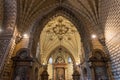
<point>101,52</point>
<point>67,13</point>
<point>23,50</point>
<point>72,57</point>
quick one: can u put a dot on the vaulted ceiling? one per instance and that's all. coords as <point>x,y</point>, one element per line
<point>27,15</point>
<point>59,32</point>
<point>29,11</point>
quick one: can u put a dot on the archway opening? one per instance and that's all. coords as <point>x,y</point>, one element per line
<point>60,64</point>
<point>60,47</point>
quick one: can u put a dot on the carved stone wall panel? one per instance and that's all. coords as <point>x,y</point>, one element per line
<point>5,43</point>
<point>7,68</point>
<point>110,18</point>
<point>9,21</point>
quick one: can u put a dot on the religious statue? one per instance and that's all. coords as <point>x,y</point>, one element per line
<point>20,73</point>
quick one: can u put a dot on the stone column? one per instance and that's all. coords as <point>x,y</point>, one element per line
<point>81,72</point>
<point>6,36</point>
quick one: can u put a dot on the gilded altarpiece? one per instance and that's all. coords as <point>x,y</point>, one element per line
<point>59,69</point>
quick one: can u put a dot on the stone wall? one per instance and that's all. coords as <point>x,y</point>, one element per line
<point>110,19</point>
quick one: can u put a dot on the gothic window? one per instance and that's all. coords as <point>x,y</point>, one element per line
<point>69,60</point>
<point>50,60</point>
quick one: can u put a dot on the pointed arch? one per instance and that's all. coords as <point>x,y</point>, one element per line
<point>23,50</point>
<point>56,11</point>
<point>51,52</point>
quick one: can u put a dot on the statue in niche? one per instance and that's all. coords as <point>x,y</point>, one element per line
<point>99,64</point>
<point>100,73</point>
<point>20,73</point>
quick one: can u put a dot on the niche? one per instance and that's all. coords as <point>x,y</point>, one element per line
<point>98,60</point>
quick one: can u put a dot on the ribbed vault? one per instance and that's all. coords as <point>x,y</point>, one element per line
<point>60,32</point>
<point>59,11</point>
<point>101,17</point>
<point>30,10</point>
